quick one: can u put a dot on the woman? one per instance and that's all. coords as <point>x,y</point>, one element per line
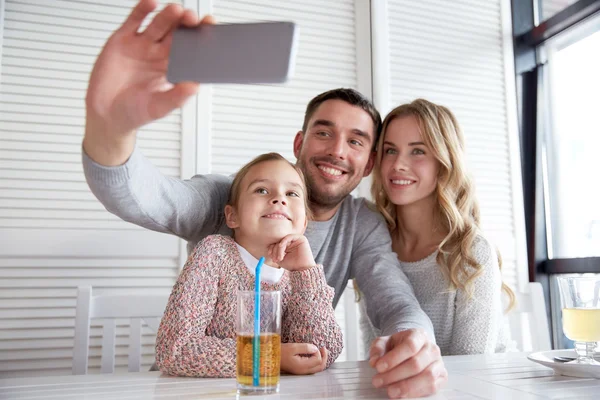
<point>422,188</point>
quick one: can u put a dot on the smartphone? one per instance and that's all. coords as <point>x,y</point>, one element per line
<point>262,52</point>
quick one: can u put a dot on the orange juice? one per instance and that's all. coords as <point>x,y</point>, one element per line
<point>270,359</point>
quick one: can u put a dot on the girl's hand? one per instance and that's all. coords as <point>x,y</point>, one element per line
<point>302,358</point>
<point>292,253</point>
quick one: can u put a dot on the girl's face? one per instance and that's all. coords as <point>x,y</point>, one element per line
<point>408,168</point>
<point>270,204</point>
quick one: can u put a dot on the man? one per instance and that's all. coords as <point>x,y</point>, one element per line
<point>128,89</point>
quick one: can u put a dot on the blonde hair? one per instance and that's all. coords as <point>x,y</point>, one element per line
<point>235,190</point>
<point>457,210</point>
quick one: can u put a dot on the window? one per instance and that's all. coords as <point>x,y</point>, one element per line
<point>573,139</point>
<point>556,64</point>
<point>549,8</point>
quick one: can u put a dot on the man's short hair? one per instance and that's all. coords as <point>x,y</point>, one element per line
<point>350,96</point>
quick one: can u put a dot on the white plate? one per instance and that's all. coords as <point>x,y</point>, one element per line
<point>546,358</point>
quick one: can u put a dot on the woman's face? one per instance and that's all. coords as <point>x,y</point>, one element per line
<point>408,168</point>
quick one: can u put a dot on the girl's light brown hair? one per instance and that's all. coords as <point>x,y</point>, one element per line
<point>234,192</point>
<point>457,210</point>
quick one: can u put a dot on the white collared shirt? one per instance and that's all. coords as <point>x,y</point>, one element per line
<point>267,273</point>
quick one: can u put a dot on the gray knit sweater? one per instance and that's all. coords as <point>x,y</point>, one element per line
<point>462,325</point>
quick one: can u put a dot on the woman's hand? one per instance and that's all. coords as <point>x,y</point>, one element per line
<point>302,358</point>
<point>292,253</point>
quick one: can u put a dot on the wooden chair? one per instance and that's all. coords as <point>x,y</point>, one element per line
<point>352,335</point>
<point>109,308</point>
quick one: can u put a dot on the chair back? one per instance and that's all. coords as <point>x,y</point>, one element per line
<point>352,334</point>
<point>528,321</point>
<point>109,308</point>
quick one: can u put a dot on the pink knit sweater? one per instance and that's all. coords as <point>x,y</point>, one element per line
<point>197,332</point>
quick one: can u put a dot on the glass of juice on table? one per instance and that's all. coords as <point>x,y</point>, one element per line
<point>268,341</point>
<point>580,301</point>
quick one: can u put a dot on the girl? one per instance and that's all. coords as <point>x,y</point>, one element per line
<point>267,211</point>
<point>422,188</point>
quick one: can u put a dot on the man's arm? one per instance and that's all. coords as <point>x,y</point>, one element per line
<point>408,362</point>
<point>128,89</point>
<point>391,303</point>
<point>139,193</point>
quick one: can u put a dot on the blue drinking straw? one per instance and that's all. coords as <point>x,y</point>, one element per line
<point>256,339</point>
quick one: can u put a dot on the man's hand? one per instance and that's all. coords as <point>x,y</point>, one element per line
<point>128,86</point>
<point>302,358</point>
<point>408,364</point>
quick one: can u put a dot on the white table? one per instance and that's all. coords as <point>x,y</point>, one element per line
<point>501,376</point>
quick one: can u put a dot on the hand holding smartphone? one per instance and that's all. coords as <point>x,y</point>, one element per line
<point>247,53</point>
<point>126,87</point>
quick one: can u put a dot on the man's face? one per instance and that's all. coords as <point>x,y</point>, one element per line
<point>335,152</point>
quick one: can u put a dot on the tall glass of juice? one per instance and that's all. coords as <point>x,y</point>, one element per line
<point>268,343</point>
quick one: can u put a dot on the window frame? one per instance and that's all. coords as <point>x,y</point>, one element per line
<point>531,72</point>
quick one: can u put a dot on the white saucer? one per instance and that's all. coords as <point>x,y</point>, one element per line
<point>546,358</point>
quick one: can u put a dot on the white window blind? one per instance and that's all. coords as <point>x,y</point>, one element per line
<point>54,234</point>
<point>452,53</point>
